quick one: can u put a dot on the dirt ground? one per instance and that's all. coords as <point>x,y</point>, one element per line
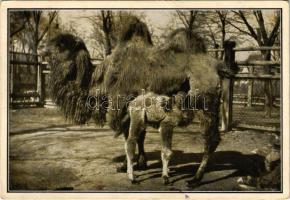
<point>48,153</point>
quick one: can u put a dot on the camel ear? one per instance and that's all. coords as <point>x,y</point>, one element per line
<point>84,69</point>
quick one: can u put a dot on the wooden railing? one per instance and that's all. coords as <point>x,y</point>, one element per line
<point>36,63</point>
<point>229,51</point>
<point>34,97</point>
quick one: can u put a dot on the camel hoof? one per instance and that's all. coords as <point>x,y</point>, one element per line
<point>193,183</point>
<point>142,163</point>
<point>165,180</point>
<point>142,166</point>
<point>122,169</point>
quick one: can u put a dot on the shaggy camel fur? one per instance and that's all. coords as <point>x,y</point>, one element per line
<point>180,65</point>
<point>72,83</point>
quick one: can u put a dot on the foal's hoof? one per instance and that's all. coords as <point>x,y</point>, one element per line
<point>165,180</point>
<point>122,169</point>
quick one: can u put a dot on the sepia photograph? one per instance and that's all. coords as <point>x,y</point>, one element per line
<point>110,100</point>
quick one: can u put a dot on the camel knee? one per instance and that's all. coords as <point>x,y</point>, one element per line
<point>130,147</point>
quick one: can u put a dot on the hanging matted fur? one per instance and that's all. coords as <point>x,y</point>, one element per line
<point>71,71</point>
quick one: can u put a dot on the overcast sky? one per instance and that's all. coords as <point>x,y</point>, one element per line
<point>156,18</point>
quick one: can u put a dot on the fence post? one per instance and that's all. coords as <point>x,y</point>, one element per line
<point>250,88</point>
<point>11,80</point>
<point>227,87</point>
<point>40,83</point>
<point>216,46</point>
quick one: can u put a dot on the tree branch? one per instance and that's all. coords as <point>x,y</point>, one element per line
<point>260,19</point>
<point>239,29</point>
<point>51,18</point>
<point>182,18</point>
<point>250,28</point>
<point>275,30</point>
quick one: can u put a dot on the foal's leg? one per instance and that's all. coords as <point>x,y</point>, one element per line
<point>209,124</point>
<point>123,167</point>
<point>142,160</point>
<point>166,131</point>
<point>136,127</point>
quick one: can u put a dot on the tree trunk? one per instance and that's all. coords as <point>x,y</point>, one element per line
<point>107,29</point>
<point>35,60</point>
<point>108,45</point>
<point>223,38</point>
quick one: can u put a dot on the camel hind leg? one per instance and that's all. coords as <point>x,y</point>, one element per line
<point>209,125</point>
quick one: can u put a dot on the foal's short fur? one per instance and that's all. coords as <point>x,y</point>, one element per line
<point>166,113</point>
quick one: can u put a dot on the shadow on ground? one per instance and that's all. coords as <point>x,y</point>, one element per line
<point>243,164</point>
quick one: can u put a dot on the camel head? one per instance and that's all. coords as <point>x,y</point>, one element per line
<point>63,46</point>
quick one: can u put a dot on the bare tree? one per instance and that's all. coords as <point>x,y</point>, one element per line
<point>37,27</point>
<point>18,21</point>
<point>107,26</point>
<point>187,18</point>
<point>107,22</point>
<point>264,36</point>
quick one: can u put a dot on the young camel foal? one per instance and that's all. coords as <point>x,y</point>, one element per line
<point>158,111</point>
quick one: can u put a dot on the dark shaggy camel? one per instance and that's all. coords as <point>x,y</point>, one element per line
<point>72,84</point>
<point>180,65</point>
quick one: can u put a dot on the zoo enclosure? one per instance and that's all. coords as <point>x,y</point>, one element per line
<point>29,78</point>
<point>240,108</point>
<point>26,79</point>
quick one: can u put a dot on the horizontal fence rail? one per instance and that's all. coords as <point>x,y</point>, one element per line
<point>228,96</point>
<point>259,63</point>
<point>258,76</point>
<point>259,70</point>
<point>262,48</point>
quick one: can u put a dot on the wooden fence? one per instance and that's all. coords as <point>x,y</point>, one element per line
<point>33,90</point>
<point>26,79</point>
<point>40,97</point>
<point>229,51</point>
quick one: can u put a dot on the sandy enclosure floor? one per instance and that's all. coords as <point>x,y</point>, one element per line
<point>48,153</point>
